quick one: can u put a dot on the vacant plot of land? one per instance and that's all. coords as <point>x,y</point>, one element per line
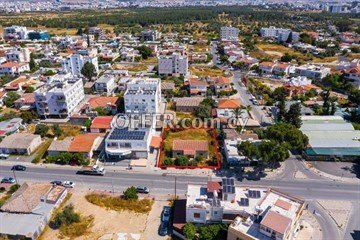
<point>118,204</point>
<point>138,68</point>
<point>152,60</point>
<point>206,71</point>
<point>105,221</point>
<point>200,48</point>
<point>69,131</point>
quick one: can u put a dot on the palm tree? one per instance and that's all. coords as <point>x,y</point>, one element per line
<point>248,109</point>
<point>237,113</point>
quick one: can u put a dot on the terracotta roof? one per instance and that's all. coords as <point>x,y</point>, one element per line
<point>12,64</point>
<point>221,80</point>
<point>83,143</point>
<point>103,101</point>
<point>276,222</point>
<point>167,85</point>
<point>102,122</point>
<point>26,98</point>
<point>188,101</point>
<point>190,146</point>
<point>266,64</point>
<point>155,141</point>
<point>196,81</point>
<point>355,70</point>
<point>283,204</point>
<point>282,66</point>
<point>213,186</point>
<point>228,103</point>
<point>17,81</point>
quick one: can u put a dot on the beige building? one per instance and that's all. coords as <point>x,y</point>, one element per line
<point>20,143</point>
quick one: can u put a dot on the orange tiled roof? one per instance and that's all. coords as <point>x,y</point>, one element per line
<point>276,222</point>
<point>155,141</point>
<point>12,64</point>
<point>266,64</point>
<point>282,66</point>
<point>190,146</point>
<point>103,101</point>
<point>195,81</point>
<point>83,143</point>
<point>102,122</point>
<point>228,103</point>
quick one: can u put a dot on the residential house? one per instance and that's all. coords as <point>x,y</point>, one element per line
<point>87,144</point>
<point>101,124</point>
<point>312,71</point>
<point>105,84</point>
<point>228,104</point>
<point>59,146</point>
<point>26,102</point>
<point>20,143</point>
<point>221,84</point>
<point>14,68</point>
<point>353,76</point>
<point>267,67</point>
<point>190,148</point>
<point>187,104</point>
<point>283,69</point>
<point>9,126</point>
<point>109,103</point>
<point>198,86</point>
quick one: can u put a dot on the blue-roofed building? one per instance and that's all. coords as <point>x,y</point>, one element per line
<point>124,143</point>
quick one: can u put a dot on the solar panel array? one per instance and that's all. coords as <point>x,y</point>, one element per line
<point>228,185</point>
<point>244,202</point>
<point>254,194</point>
<point>125,134</point>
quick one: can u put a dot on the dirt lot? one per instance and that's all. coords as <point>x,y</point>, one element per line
<point>109,224</point>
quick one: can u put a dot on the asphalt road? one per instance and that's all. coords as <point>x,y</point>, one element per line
<point>244,98</point>
<point>163,186</point>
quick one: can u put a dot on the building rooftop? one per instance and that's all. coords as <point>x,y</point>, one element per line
<point>84,143</point>
<point>190,146</point>
<point>128,134</point>
<point>229,103</point>
<point>188,101</point>
<point>60,145</point>
<point>102,122</point>
<point>18,140</point>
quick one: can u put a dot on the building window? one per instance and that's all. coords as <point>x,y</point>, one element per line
<point>197,215</point>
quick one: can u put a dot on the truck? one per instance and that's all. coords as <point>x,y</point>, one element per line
<point>91,170</point>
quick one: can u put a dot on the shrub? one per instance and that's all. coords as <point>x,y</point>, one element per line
<point>13,188</point>
<point>41,129</point>
<point>190,231</point>
<point>181,160</point>
<point>2,189</point>
<point>131,193</point>
<point>66,217</point>
<point>168,161</point>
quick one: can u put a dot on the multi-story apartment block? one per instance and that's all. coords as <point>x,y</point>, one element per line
<point>143,95</point>
<point>15,32</point>
<point>105,84</point>
<point>96,31</point>
<point>18,55</point>
<point>75,62</point>
<point>312,71</point>
<point>175,65</point>
<point>150,35</point>
<point>229,33</point>
<point>14,68</point>
<point>60,97</point>
<point>281,34</point>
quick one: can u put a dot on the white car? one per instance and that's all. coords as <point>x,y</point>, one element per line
<point>68,184</point>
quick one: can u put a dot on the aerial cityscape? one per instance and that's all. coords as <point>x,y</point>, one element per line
<point>182,119</point>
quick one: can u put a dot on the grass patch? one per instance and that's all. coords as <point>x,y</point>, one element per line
<point>206,71</point>
<point>152,60</point>
<point>120,204</point>
<point>4,199</point>
<point>138,68</point>
<point>201,48</point>
<point>69,131</point>
<point>356,125</point>
<point>12,189</point>
<point>77,229</point>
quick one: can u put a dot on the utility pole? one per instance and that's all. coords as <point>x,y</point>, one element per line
<point>175,187</point>
<point>15,176</point>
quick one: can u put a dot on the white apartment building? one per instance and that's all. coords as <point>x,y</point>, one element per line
<point>60,97</point>
<point>143,95</point>
<point>18,55</point>
<point>175,65</point>
<point>229,33</point>
<point>75,62</point>
<point>15,32</point>
<point>312,71</point>
<point>150,35</point>
<point>105,84</point>
<point>300,81</point>
<point>281,34</point>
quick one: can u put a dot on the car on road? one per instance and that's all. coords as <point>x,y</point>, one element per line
<point>4,156</point>
<point>57,183</point>
<point>163,229</point>
<point>68,184</point>
<point>8,180</point>
<point>18,168</point>
<point>142,189</point>
<point>166,213</point>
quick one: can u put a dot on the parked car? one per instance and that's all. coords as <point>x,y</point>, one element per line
<point>163,229</point>
<point>68,184</point>
<point>57,183</point>
<point>165,216</point>
<point>142,189</point>
<point>4,156</point>
<point>8,180</point>
<point>18,168</point>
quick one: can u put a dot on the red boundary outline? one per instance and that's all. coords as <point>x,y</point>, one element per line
<point>217,154</point>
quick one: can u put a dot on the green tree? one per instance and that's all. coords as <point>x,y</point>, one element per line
<point>30,89</point>
<point>66,217</point>
<point>354,96</point>
<point>57,130</point>
<point>49,73</point>
<point>87,123</point>
<point>32,64</point>
<point>286,58</point>
<point>213,231</point>
<point>88,70</point>
<point>168,162</point>
<point>293,116</point>
<point>248,149</point>
<point>130,193</point>
<point>189,231</point>
<point>41,129</point>
<point>203,111</point>
<point>102,111</point>
<point>145,51</point>
<point>181,160</point>
<point>13,188</point>
<point>10,99</point>
<point>28,116</point>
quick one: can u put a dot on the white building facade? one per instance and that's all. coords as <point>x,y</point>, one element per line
<point>229,33</point>
<point>175,65</point>
<point>75,62</point>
